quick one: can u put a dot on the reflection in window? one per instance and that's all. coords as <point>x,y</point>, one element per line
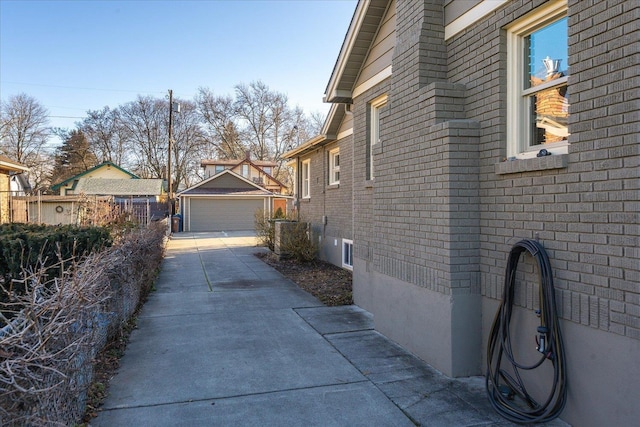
<point>546,83</point>
<point>537,82</point>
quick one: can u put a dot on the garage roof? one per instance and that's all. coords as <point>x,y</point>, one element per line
<point>226,183</point>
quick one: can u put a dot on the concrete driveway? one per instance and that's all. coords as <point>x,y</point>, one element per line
<point>226,340</point>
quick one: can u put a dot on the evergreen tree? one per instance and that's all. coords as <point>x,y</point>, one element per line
<point>74,156</point>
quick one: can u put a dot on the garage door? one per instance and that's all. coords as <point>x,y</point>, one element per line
<point>223,214</point>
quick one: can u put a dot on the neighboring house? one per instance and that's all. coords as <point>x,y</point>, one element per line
<point>9,171</point>
<point>441,111</point>
<point>226,201</point>
<point>106,170</point>
<point>257,171</point>
<point>122,189</point>
<point>144,199</point>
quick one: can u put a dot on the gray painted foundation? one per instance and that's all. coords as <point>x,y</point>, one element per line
<point>594,373</point>
<point>443,330</point>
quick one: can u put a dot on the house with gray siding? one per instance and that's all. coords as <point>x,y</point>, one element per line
<point>464,127</point>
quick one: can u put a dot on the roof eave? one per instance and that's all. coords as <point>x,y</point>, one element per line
<point>305,146</point>
<point>332,93</point>
<point>13,167</point>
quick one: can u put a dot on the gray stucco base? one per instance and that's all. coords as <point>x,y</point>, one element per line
<point>443,330</point>
<point>602,369</point>
<point>331,250</point>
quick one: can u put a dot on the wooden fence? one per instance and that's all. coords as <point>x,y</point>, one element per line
<point>78,210</point>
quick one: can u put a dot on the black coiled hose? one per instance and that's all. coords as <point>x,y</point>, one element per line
<point>507,392</point>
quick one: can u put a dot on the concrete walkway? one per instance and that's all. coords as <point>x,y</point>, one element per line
<point>226,340</point>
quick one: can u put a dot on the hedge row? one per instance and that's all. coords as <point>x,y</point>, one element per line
<point>32,247</point>
<point>48,348</point>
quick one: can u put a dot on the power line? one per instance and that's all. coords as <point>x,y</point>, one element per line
<point>84,88</point>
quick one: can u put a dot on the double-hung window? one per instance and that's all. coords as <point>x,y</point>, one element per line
<point>537,77</point>
<point>219,168</point>
<point>334,166</point>
<point>245,171</point>
<point>375,109</point>
<point>305,179</point>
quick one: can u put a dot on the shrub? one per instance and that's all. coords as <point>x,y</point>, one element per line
<point>27,247</point>
<point>62,323</point>
<point>265,226</point>
<point>264,229</point>
<point>297,242</point>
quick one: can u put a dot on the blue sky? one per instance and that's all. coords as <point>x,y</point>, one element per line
<point>74,56</point>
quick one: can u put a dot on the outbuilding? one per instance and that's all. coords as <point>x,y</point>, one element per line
<point>226,202</point>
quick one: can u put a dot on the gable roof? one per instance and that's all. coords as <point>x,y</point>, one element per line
<point>355,49</point>
<point>258,164</point>
<point>11,165</point>
<point>245,187</point>
<point>119,187</point>
<point>88,171</point>
<point>236,162</point>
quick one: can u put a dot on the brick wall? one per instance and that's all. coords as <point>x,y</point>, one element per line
<point>584,209</point>
<point>331,201</point>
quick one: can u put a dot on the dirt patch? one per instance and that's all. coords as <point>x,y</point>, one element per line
<point>332,285</point>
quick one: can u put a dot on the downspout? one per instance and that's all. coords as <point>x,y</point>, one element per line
<point>298,187</point>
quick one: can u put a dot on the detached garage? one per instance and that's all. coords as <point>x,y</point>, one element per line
<point>225,202</point>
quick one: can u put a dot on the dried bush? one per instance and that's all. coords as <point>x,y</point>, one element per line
<point>298,242</point>
<point>59,325</point>
<point>265,226</point>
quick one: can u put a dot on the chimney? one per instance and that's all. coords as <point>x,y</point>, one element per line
<point>551,65</point>
<point>247,154</point>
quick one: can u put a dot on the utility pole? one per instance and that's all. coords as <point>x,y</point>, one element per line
<point>170,190</point>
<point>174,107</point>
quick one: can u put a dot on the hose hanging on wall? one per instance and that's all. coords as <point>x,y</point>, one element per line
<point>505,387</point>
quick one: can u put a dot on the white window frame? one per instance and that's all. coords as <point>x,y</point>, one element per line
<point>334,170</point>
<point>305,179</point>
<point>246,171</point>
<point>374,128</point>
<point>518,106</point>
<point>347,250</point>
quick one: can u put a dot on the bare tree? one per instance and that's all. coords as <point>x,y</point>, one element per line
<point>146,121</point>
<point>24,130</point>
<point>316,122</point>
<point>256,107</point>
<point>108,137</point>
<point>189,144</point>
<point>219,123</point>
